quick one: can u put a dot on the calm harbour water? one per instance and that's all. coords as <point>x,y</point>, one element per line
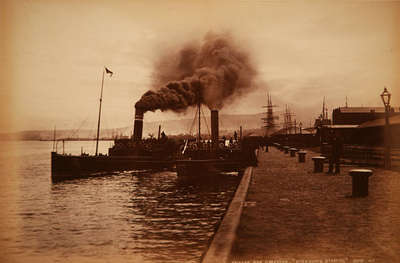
<point>128,216</point>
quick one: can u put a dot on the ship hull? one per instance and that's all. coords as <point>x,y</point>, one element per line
<point>206,167</point>
<point>73,166</point>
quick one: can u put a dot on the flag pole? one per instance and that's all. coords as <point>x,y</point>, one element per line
<point>54,138</point>
<point>98,122</point>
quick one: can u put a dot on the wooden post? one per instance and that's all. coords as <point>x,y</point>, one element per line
<point>387,140</point>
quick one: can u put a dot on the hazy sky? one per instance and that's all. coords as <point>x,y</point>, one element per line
<point>53,53</point>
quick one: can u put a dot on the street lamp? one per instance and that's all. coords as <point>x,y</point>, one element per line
<point>386,101</point>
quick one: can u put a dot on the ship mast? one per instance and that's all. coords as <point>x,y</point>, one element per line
<point>98,121</point>
<point>198,106</point>
<point>54,138</point>
<point>269,120</point>
<point>105,70</point>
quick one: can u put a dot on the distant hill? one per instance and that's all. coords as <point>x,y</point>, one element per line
<point>251,123</point>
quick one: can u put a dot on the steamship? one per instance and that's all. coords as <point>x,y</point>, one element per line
<point>126,154</point>
<point>207,158</point>
<point>197,158</point>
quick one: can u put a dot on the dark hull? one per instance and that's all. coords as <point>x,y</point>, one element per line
<point>70,166</point>
<point>206,167</point>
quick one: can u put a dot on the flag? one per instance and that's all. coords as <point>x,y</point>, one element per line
<point>109,71</point>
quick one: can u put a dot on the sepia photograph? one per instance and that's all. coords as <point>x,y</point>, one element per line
<point>241,131</point>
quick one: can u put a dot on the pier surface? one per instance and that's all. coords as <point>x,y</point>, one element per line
<point>294,215</point>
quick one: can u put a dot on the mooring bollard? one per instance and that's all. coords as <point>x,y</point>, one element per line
<point>266,148</point>
<point>318,164</point>
<point>286,148</point>
<point>302,156</point>
<point>359,180</point>
<point>293,152</point>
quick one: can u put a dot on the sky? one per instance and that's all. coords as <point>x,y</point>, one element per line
<point>53,54</point>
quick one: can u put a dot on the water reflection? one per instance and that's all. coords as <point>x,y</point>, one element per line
<point>177,215</point>
<point>118,217</point>
<point>156,216</point>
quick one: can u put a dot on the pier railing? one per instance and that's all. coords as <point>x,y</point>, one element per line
<point>364,155</point>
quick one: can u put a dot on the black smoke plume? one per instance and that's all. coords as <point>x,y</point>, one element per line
<point>214,72</point>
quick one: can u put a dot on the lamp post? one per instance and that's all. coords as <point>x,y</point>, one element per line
<point>386,102</point>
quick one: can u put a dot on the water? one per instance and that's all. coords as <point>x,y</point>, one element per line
<point>120,217</point>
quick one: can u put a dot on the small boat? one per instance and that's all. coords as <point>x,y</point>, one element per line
<point>206,167</point>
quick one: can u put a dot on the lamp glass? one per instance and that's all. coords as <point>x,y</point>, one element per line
<point>386,97</point>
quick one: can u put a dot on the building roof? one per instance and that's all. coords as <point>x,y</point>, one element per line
<point>365,109</point>
<point>394,120</point>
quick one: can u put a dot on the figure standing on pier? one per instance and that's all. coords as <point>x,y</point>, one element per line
<point>336,151</point>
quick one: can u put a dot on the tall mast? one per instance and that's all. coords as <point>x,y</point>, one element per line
<point>199,120</point>
<point>269,120</point>
<point>54,138</point>
<point>287,124</point>
<point>98,121</point>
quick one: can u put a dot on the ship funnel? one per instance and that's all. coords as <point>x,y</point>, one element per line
<point>138,125</point>
<point>214,129</point>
